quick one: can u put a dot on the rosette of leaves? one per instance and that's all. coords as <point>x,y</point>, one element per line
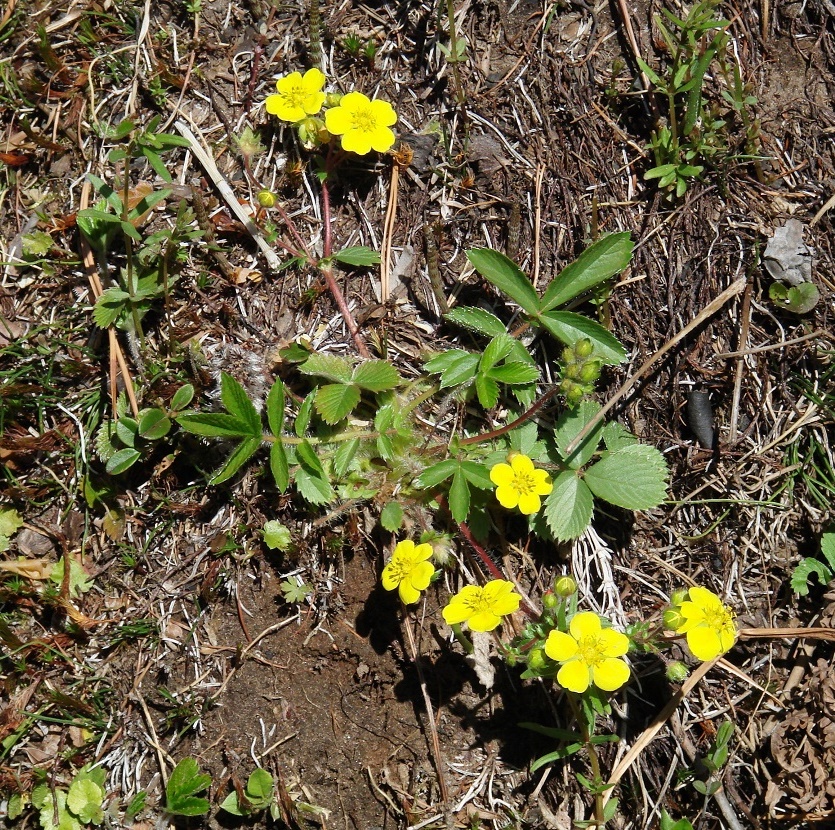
<point>257,795</point>
<point>625,473</point>
<point>68,810</point>
<point>598,263</point>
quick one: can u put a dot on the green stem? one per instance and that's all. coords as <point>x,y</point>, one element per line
<point>462,638</point>
<point>453,57</point>
<point>594,763</point>
<point>130,287</point>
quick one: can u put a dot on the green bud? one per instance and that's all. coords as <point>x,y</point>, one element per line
<point>565,586</point>
<point>673,619</point>
<point>266,198</point>
<point>312,133</point>
<point>678,596</point>
<point>583,347</point>
<point>538,660</point>
<point>590,372</point>
<point>568,355</point>
<point>677,672</point>
<point>550,601</point>
<point>333,99</point>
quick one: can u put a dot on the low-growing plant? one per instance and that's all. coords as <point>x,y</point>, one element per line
<point>822,567</point>
<point>185,782</point>
<point>257,796</point>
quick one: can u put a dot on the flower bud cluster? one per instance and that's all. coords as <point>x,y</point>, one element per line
<point>580,371</point>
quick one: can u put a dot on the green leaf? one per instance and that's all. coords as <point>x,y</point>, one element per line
<point>383,422</point>
<point>506,275</point>
<point>487,390</point>
<point>477,474</point>
<point>802,298</point>
<point>376,376</point>
<point>277,536</point>
<point>230,804</point>
<point>185,781</point>
<point>391,516</point>
<point>569,327</point>
<point>126,429</point>
<point>146,203</point>
<point>153,424</point>
<point>600,261</point>
<point>305,411</point>
<point>459,497</point>
<point>308,458</point>
<point>432,476</point>
<point>648,71</point>
<point>213,425</point>
<point>568,507</point>
<point>329,366</point>
<point>279,466</point>
<point>804,570</point>
<point>110,306</point>
<point>238,457</point>
<point>827,548</point>
<point>616,435</point>
<point>344,455</point>
<point>235,399</point>
<point>122,460</point>
<point>514,373</point>
<point>313,488</point>
<point>182,397</point>
<point>10,521</point>
<point>84,799</point>
<point>80,581</point>
<point>357,255</point>
<point>334,401</point>
<point>633,477</point>
<point>462,369</point>
<point>106,192</point>
<point>496,351</point>
<point>476,319</point>
<point>275,408</point>
<point>259,787</point>
<point>569,425</point>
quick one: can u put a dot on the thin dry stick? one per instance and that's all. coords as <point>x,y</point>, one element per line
<point>540,172</point>
<point>814,335</point>
<point>436,744</point>
<point>388,232</point>
<point>729,293</point>
<point>740,364</point>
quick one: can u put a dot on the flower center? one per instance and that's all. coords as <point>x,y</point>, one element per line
<point>718,618</point>
<point>402,568</point>
<point>295,96</point>
<point>364,120</point>
<point>590,650</point>
<point>524,483</point>
<point>478,603</point>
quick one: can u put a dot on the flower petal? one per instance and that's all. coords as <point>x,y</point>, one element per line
<point>314,79</point>
<point>560,646</point>
<point>390,577</point>
<point>384,113</point>
<point>703,597</point>
<point>502,475</point>
<point>610,674</point>
<point>521,464</point>
<point>421,575</point>
<point>529,503</point>
<point>356,141</point>
<point>507,496</point>
<point>289,83</point>
<point>382,139</point>
<point>574,676</point>
<point>408,593</point>
<point>422,552</point>
<point>338,120</point>
<point>542,483</point>
<point>614,643</point>
<point>404,549</point>
<point>704,643</point>
<point>584,624</point>
<point>483,620</point>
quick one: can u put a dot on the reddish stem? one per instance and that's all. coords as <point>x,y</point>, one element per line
<point>496,433</point>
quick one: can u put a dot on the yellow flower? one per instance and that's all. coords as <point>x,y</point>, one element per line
<point>589,654</point>
<point>482,608</point>
<point>362,123</point>
<point>408,570</point>
<point>708,623</point>
<point>298,96</point>
<point>520,484</point>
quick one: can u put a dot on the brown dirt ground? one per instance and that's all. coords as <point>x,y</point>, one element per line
<point>331,700</point>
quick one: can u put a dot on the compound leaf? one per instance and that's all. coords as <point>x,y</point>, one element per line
<point>476,319</point>
<point>569,327</point>
<point>238,457</point>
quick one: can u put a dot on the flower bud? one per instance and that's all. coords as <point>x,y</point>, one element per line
<point>550,601</point>
<point>333,99</point>
<point>568,355</point>
<point>573,371</point>
<point>565,586</point>
<point>673,619</point>
<point>442,550</point>
<point>266,198</point>
<point>590,372</point>
<point>583,347</point>
<point>537,660</point>
<point>678,596</point>
<point>312,133</point>
<point>677,672</point>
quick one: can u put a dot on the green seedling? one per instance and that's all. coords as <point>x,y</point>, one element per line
<point>10,523</point>
<point>80,805</point>
<point>186,781</point>
<point>822,567</point>
<point>258,795</point>
<point>277,536</point>
<point>705,772</point>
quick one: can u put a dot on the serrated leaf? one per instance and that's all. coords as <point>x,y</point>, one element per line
<point>828,548</point>
<point>185,781</point>
<point>344,455</point>
<point>327,366</point>
<point>239,456</point>
<point>277,536</point>
<point>514,373</point>
<point>182,397</point>
<point>307,457</point>
<point>569,425</point>
<point>432,476</point>
<point>440,362</point>
<point>334,401</point>
<point>616,435</point>
<point>153,424</point>
<point>462,370</point>
<point>523,438</point>
<point>110,306</point>
<point>477,474</point>
<point>383,422</point>
<point>122,460</point>
<point>305,411</point>
<point>476,319</point>
<point>279,466</point>
<point>804,570</point>
<point>569,327</point>
<point>235,399</point>
<point>213,425</point>
<point>487,391</point>
<point>85,798</point>
<point>275,407</point>
<point>10,521</point>
<point>391,517</point>
<point>191,806</point>
<point>600,261</point>
<point>459,497</point>
<point>376,376</point>
<point>633,477</point>
<point>506,275</point>
<point>568,507</point>
<point>495,351</point>
<point>357,255</point>
<point>313,488</point>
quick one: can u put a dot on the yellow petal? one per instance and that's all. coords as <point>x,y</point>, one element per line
<point>529,503</point>
<point>314,79</point>
<point>502,474</point>
<point>560,646</point>
<point>353,101</point>
<point>384,113</point>
<point>382,139</point>
<point>703,597</point>
<point>500,596</point>
<point>610,674</point>
<point>574,676</point>
<point>456,612</point>
<point>422,552</point>
<point>507,497</point>
<point>542,483</point>
<point>727,637</point>
<point>356,141</point>
<point>389,578</point>
<point>421,575</point>
<point>313,102</point>
<point>483,621</point>
<point>521,464</point>
<point>407,593</point>
<point>584,624</point>
<point>404,549</point>
<point>337,120</point>
<point>704,643</point>
<point>615,644</point>
<point>289,83</point>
